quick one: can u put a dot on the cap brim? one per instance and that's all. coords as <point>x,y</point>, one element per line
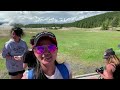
<point>40,37</point>
<point>105,57</point>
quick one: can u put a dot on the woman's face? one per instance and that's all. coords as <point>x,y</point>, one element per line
<point>14,36</point>
<point>46,52</point>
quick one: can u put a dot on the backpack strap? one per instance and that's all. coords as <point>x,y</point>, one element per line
<point>63,70</point>
<point>30,74</point>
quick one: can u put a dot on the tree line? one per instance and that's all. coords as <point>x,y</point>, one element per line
<point>105,21</point>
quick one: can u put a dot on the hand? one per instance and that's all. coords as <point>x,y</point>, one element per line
<point>18,58</point>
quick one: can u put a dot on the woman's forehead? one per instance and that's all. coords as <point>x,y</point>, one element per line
<point>44,42</point>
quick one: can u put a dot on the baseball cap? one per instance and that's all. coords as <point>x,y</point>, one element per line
<point>45,34</point>
<point>108,52</point>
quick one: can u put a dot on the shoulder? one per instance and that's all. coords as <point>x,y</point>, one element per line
<point>68,67</point>
<point>110,67</point>
<point>9,42</point>
<point>62,65</point>
<point>66,64</point>
<point>22,41</point>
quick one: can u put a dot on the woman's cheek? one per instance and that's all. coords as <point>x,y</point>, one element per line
<point>54,55</point>
<point>38,56</point>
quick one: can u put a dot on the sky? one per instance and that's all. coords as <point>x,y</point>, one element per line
<point>44,17</point>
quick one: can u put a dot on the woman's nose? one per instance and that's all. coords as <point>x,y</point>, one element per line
<point>46,52</point>
<point>46,49</point>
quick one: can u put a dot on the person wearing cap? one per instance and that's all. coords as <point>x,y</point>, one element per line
<point>13,51</point>
<point>29,59</point>
<point>112,65</point>
<point>45,50</point>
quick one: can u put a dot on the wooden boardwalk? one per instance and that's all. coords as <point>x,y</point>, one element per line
<point>87,76</point>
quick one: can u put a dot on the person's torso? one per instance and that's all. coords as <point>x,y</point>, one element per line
<point>30,59</point>
<point>57,74</point>
<point>16,49</point>
<point>31,63</point>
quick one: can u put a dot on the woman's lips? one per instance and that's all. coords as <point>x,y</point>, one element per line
<point>48,58</point>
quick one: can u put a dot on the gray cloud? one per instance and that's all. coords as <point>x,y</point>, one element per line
<point>28,17</point>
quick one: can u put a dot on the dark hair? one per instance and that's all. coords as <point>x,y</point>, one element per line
<point>38,72</point>
<point>32,40</point>
<point>18,31</point>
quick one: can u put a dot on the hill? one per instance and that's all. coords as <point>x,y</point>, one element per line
<point>110,18</point>
<point>98,20</point>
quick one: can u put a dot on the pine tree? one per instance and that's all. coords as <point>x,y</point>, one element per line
<point>115,23</point>
<point>105,25</point>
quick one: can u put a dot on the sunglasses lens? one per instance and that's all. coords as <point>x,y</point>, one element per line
<point>52,48</point>
<point>39,49</point>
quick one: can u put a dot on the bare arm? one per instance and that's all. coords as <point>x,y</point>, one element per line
<point>108,72</point>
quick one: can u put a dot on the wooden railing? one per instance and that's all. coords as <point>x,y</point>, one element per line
<point>87,76</point>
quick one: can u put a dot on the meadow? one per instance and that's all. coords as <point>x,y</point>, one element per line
<point>83,49</point>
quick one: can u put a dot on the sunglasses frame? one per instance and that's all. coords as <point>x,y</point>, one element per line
<point>51,48</point>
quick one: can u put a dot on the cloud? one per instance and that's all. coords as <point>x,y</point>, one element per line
<point>31,17</point>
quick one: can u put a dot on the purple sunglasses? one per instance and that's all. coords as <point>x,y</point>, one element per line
<point>41,49</point>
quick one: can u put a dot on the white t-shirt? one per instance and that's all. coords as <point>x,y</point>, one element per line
<point>56,75</point>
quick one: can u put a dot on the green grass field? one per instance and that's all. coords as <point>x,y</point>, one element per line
<point>82,49</point>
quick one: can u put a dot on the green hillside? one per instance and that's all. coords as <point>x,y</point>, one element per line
<point>109,18</point>
<point>98,20</point>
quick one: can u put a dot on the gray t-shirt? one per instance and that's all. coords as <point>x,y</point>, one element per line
<point>14,49</point>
